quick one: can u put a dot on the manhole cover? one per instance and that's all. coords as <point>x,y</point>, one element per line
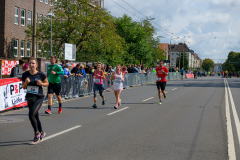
<point>10,120</point>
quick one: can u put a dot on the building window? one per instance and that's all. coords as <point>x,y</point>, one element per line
<point>22,48</point>
<point>177,54</point>
<point>16,15</point>
<point>15,52</point>
<point>51,2</point>
<point>29,17</point>
<point>40,20</point>
<point>46,1</point>
<point>172,59</point>
<point>23,12</point>
<point>28,49</point>
<point>172,53</point>
<point>41,0</point>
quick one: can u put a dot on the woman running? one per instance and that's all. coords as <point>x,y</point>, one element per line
<point>98,84</point>
<point>118,78</point>
<point>34,80</point>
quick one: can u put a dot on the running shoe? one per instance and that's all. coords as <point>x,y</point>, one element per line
<point>43,134</point>
<point>119,103</point>
<point>160,102</point>
<point>48,111</point>
<point>103,102</point>
<point>165,97</point>
<point>37,137</point>
<point>94,106</point>
<point>60,110</point>
<point>116,107</point>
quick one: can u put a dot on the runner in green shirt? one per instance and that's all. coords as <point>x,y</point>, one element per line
<point>54,71</point>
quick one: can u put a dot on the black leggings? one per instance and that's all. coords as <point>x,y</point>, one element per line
<point>34,116</point>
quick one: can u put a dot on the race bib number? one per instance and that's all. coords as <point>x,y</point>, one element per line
<point>117,81</point>
<point>97,80</point>
<point>158,79</point>
<point>33,89</point>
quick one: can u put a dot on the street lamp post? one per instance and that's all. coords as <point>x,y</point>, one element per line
<point>34,30</point>
<point>51,14</point>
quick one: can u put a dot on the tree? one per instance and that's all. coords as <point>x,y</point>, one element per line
<point>142,46</point>
<point>181,61</point>
<point>208,64</point>
<point>232,63</point>
<point>88,26</point>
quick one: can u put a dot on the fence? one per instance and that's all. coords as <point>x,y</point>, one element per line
<point>75,86</point>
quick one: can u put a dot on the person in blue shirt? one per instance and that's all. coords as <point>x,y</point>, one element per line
<point>81,73</point>
<point>182,72</point>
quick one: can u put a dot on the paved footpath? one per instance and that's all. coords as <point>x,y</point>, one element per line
<point>199,120</point>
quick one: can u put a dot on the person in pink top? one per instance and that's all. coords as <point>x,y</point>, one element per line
<point>98,84</point>
<point>118,78</point>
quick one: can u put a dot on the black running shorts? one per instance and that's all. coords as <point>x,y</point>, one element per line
<point>54,88</point>
<point>161,85</point>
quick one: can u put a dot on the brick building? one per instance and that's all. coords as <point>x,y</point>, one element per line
<point>15,16</point>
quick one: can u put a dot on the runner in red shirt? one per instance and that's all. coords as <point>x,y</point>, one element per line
<point>161,72</point>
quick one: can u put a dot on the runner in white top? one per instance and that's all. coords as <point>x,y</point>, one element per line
<point>118,78</point>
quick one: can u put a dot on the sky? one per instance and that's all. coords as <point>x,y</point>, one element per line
<point>209,27</point>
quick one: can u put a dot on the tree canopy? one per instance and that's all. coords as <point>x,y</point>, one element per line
<point>208,64</point>
<point>98,35</point>
<point>232,63</point>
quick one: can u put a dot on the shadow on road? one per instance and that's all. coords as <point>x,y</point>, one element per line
<point>15,143</point>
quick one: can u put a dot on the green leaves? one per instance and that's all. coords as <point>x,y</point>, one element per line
<point>98,35</point>
<point>208,64</point>
<point>232,63</point>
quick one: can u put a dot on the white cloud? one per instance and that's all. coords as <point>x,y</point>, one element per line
<point>199,21</point>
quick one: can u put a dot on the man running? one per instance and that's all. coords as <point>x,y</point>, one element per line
<point>54,71</point>
<point>161,72</point>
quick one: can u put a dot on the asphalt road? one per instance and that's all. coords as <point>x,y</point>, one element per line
<point>192,123</point>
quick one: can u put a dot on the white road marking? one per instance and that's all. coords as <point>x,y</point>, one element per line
<point>174,89</point>
<point>117,111</point>
<point>148,99</point>
<point>231,147</point>
<point>57,134</point>
<point>235,115</point>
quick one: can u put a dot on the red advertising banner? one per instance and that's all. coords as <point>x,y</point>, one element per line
<point>190,75</point>
<point>7,66</point>
<point>74,65</point>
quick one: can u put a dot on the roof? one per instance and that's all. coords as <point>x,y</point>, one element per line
<point>180,47</point>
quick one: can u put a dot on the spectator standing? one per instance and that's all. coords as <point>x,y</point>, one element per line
<point>142,67</point>
<point>63,63</point>
<point>75,69</point>
<point>17,71</point>
<point>87,67</point>
<point>182,72</point>
<point>25,67</point>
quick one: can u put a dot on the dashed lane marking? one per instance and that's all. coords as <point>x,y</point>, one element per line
<point>57,134</point>
<point>148,99</point>
<point>117,111</point>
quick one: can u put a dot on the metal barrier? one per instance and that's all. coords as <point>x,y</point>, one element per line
<point>75,86</point>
